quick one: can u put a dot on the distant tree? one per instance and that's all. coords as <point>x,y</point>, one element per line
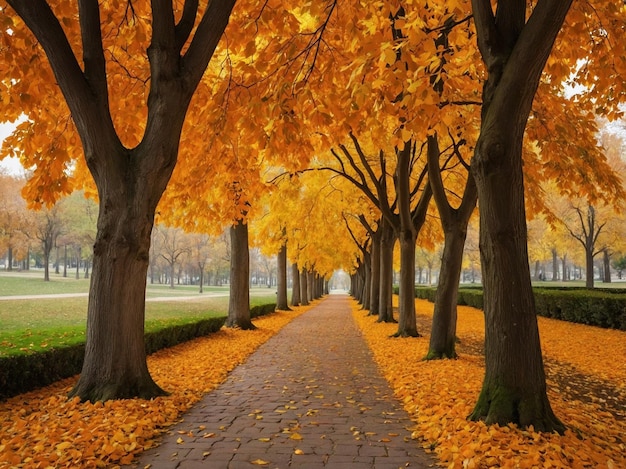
<point>619,265</point>
<point>49,224</point>
<point>14,224</point>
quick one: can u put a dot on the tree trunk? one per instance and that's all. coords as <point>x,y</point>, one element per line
<point>115,356</point>
<point>454,222</point>
<point>239,302</point>
<point>410,224</point>
<point>515,52</point>
<point>78,258</point>
<point>46,269</point>
<point>310,278</point>
<point>367,282</point>
<point>295,287</point>
<point>589,280</point>
<point>514,388</point>
<point>201,269</point>
<point>172,274</point>
<point>281,291</point>
<point>304,293</point>
<point>57,266</point>
<point>607,265</point>
<point>443,332</point>
<point>385,304</point>
<point>407,321</point>
<point>555,266</point>
<point>375,277</point>
<point>64,261</point>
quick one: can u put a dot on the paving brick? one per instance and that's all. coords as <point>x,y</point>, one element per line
<point>314,388</point>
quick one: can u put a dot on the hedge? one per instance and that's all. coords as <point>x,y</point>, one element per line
<point>598,307</point>
<point>22,373</point>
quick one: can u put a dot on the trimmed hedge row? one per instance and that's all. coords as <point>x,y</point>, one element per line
<point>22,373</point>
<point>599,307</point>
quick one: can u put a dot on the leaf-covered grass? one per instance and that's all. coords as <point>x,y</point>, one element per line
<point>34,325</point>
<point>43,429</point>
<point>587,389</point>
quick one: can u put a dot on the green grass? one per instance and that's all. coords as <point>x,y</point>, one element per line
<point>34,284</point>
<point>32,325</point>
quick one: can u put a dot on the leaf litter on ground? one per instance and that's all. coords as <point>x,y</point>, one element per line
<point>43,428</point>
<point>440,394</point>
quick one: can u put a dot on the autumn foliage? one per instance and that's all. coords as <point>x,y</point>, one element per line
<point>439,395</point>
<point>45,429</point>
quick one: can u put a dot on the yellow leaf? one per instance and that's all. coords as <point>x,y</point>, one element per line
<point>63,446</point>
<point>298,451</point>
<point>259,462</point>
<point>180,440</point>
<point>295,436</point>
<point>264,440</point>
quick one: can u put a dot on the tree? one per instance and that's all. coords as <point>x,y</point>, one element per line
<point>13,220</point>
<point>514,51</point>
<point>49,224</point>
<point>239,303</point>
<point>585,226</point>
<point>295,285</point>
<point>130,181</point>
<point>454,222</point>
<point>281,287</point>
<point>200,255</point>
<point>619,264</point>
<point>172,246</point>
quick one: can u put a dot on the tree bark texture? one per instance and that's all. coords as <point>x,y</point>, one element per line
<point>281,291</point>
<point>454,223</point>
<point>606,261</point>
<point>375,273</point>
<point>310,277</point>
<point>385,304</point>
<point>407,235</point>
<point>515,52</point>
<point>304,287</point>
<point>115,357</point>
<point>589,274</point>
<point>367,285</point>
<point>239,301</point>
<point>295,285</point>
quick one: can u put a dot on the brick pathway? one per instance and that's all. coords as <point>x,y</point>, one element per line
<point>310,397</point>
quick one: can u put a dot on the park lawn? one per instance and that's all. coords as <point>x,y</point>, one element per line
<point>43,428</point>
<point>30,326</point>
<point>12,284</point>
<point>586,374</point>
<point>32,283</point>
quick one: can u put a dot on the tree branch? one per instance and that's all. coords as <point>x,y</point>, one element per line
<point>93,52</point>
<point>184,27</point>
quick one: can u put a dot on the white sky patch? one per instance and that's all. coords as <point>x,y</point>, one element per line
<point>11,166</point>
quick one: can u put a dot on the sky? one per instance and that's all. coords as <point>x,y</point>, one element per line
<point>10,165</point>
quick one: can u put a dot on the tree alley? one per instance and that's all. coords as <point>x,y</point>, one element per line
<point>396,92</point>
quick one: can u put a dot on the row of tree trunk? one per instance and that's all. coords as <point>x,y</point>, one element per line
<point>307,285</point>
